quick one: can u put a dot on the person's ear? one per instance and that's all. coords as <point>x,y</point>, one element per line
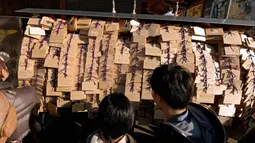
<point>158,98</point>
<point>5,74</point>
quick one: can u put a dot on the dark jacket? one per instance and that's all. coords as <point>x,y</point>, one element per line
<point>249,137</point>
<point>211,128</point>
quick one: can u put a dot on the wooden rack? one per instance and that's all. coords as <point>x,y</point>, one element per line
<point>138,16</point>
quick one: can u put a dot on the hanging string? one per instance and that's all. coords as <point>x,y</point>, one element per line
<point>82,51</point>
<point>113,6</point>
<point>97,24</point>
<point>229,32</point>
<point>251,57</point>
<point>227,63</point>
<point>134,10</point>
<point>93,59</point>
<point>177,9</point>
<point>134,69</point>
<point>119,73</point>
<point>183,59</point>
<point>148,87</point>
<point>253,74</point>
<point>248,109</point>
<point>168,52</point>
<point>230,75</point>
<point>59,26</point>
<point>66,55</point>
<point>123,46</point>
<point>41,43</point>
<point>148,26</point>
<point>106,57</point>
<point>29,49</point>
<point>56,53</point>
<point>204,67</point>
<point>121,52</point>
<point>250,117</point>
<point>39,65</point>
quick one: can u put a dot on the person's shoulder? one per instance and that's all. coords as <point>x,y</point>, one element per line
<point>168,131</point>
<point>201,109</point>
<point>204,114</point>
<point>26,89</point>
<point>23,97</point>
<point>27,93</point>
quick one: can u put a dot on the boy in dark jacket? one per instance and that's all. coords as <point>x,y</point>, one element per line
<point>115,117</point>
<point>185,122</point>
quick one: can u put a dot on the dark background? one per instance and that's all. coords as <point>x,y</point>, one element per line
<point>8,7</point>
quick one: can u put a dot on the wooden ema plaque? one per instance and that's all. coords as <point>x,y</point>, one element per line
<point>146,89</point>
<point>232,37</point>
<point>59,31</point>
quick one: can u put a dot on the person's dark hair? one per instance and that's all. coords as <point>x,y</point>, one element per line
<point>174,84</point>
<point>116,116</point>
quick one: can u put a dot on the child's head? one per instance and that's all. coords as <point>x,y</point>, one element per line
<point>116,116</point>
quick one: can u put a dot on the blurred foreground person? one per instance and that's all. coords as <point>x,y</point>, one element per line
<point>249,137</point>
<point>185,122</point>
<point>15,107</point>
<point>115,117</point>
<point>8,119</point>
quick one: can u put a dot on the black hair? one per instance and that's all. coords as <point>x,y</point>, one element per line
<point>174,84</point>
<point>116,116</point>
